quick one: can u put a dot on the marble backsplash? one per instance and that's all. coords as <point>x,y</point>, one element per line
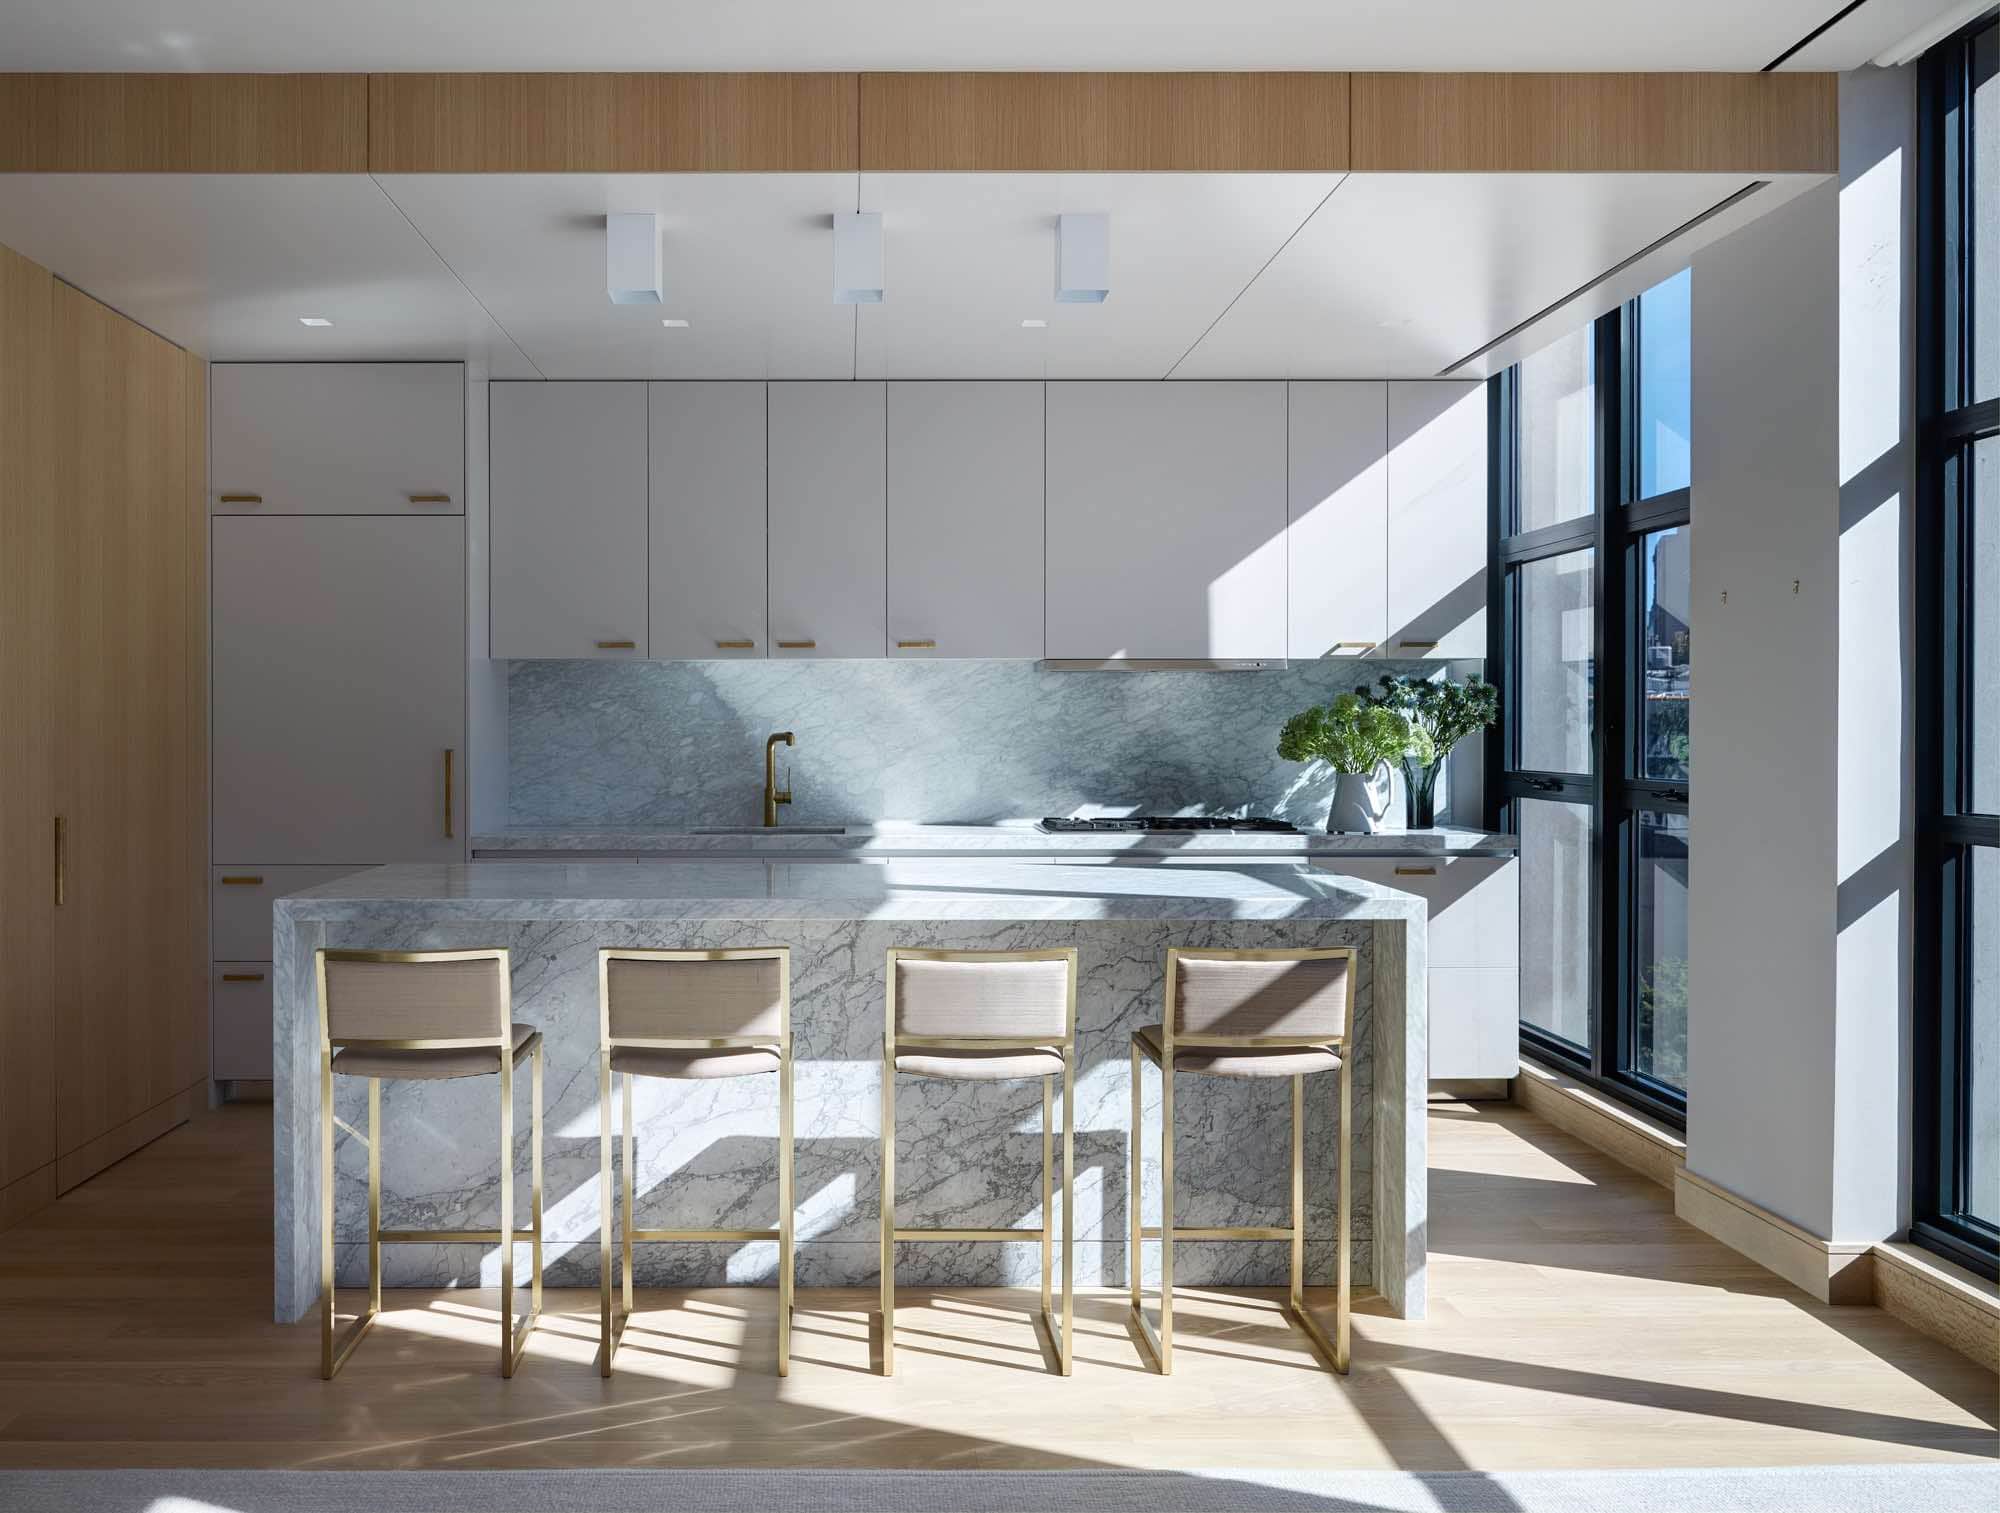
<point>677,744</point>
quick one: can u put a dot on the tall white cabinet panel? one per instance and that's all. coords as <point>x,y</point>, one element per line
<point>337,438</point>
<point>965,520</point>
<point>1166,520</point>
<point>568,519</point>
<point>827,519</point>
<point>339,689</point>
<point>1338,525</point>
<point>706,464</point>
<point>1437,519</point>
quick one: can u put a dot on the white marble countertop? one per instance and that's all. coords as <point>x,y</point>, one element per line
<point>935,889</point>
<point>1018,839</point>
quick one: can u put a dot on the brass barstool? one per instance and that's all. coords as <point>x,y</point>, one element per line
<point>423,1016</point>
<point>1249,1014</point>
<point>691,1015</point>
<point>985,1016</point>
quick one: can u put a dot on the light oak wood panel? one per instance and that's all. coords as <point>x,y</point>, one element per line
<point>1574,1322</point>
<point>612,123</point>
<point>129,1008</point>
<point>1101,122</point>
<point>194,771</point>
<point>27,756</point>
<point>1596,123</point>
<point>183,123</point>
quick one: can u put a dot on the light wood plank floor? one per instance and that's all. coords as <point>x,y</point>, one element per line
<point>1575,1322</point>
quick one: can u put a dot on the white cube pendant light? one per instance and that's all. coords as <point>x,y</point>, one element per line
<point>632,258</point>
<point>1083,258</point>
<point>857,257</point>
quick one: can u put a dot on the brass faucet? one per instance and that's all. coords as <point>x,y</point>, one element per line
<point>773,797</point>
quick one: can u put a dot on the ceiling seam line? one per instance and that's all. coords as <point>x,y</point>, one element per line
<point>383,190</point>
<point>1262,269</point>
<point>1815,34</point>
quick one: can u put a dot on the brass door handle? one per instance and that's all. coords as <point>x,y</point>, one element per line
<point>62,860</point>
<point>430,499</point>
<point>239,498</point>
<point>797,645</point>
<point>916,646</point>
<point>242,976</point>
<point>1416,872</point>
<point>242,882</point>
<point>1418,645</point>
<point>736,646</point>
<point>448,755</point>
<point>1361,646</point>
<point>617,645</point>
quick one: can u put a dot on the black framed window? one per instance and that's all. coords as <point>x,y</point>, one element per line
<point>1591,645</point>
<point>1956,1102</point>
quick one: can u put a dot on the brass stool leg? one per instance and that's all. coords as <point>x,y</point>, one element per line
<point>1048,1200</point>
<point>1167,1213</point>
<point>374,1195</point>
<point>888,1210</point>
<point>506,1213</point>
<point>1343,1298</point>
<point>1135,1256</point>
<point>535,1174</point>
<point>333,1353</point>
<point>785,1277</point>
<point>1298,1290</point>
<point>1068,1211</point>
<point>631,1201</point>
<point>607,1340</point>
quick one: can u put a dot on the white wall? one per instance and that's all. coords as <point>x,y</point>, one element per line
<point>1801,824</point>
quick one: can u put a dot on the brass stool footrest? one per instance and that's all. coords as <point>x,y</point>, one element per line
<point>703,1234</point>
<point>1240,1232</point>
<point>452,1236</point>
<point>970,1234</point>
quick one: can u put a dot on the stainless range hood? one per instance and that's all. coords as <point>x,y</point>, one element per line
<point>1165,664</point>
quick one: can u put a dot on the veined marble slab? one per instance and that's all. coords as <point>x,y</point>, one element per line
<point>968,1155</point>
<point>1013,840</point>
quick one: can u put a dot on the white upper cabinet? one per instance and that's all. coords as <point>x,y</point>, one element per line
<point>339,678</point>
<point>965,520</point>
<point>1166,520</point>
<point>568,519</point>
<point>1339,519</point>
<point>827,519</point>
<point>337,438</point>
<point>1437,520</point>
<point>706,462</point>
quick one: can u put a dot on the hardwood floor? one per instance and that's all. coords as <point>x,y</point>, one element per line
<point>1575,1322</point>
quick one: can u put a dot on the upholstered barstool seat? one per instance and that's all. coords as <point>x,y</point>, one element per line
<point>982,1066</point>
<point>428,1066</point>
<point>984,1016</point>
<point>1243,1061</point>
<point>696,1066</point>
<point>689,1016</point>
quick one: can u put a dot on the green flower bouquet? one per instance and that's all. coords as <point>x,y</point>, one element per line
<point>1439,714</point>
<point>1358,739</point>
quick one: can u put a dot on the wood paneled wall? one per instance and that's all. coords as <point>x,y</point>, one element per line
<point>103,674</point>
<point>907,122</point>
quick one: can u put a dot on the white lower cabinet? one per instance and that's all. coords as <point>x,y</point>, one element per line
<point>1473,954</point>
<point>240,1021</point>
<point>240,905</point>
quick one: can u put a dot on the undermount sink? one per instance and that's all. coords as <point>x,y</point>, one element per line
<point>770,830</point>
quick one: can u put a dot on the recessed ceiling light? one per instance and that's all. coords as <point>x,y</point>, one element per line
<point>314,320</point>
<point>676,325</point>
<point>1033,325</point>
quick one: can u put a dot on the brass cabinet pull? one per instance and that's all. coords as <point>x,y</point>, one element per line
<point>1418,645</point>
<point>736,646</point>
<point>1363,646</point>
<point>617,645</point>
<point>62,861</point>
<point>243,882</point>
<point>916,646</point>
<point>448,755</point>
<point>430,499</point>
<point>239,498</point>
<point>242,976</point>
<point>797,645</point>
<point>1416,872</point>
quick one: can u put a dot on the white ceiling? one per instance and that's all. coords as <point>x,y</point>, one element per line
<point>274,36</point>
<point>1213,275</point>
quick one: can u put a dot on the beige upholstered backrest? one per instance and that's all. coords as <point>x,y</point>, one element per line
<point>1291,996</point>
<point>648,998</point>
<point>1013,1000</point>
<point>457,998</point>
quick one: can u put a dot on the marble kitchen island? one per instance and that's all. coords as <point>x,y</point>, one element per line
<point>968,1154</point>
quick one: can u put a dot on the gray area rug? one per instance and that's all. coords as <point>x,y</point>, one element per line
<point>1820,1489</point>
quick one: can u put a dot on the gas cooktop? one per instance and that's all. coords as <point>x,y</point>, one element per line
<point>1151,823</point>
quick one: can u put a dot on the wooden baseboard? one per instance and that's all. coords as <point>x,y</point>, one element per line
<point>1473,1089</point>
<point>1936,1298</point>
<point>1831,1271</point>
<point>114,1145</point>
<point>27,1195</point>
<point>1650,1149</point>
